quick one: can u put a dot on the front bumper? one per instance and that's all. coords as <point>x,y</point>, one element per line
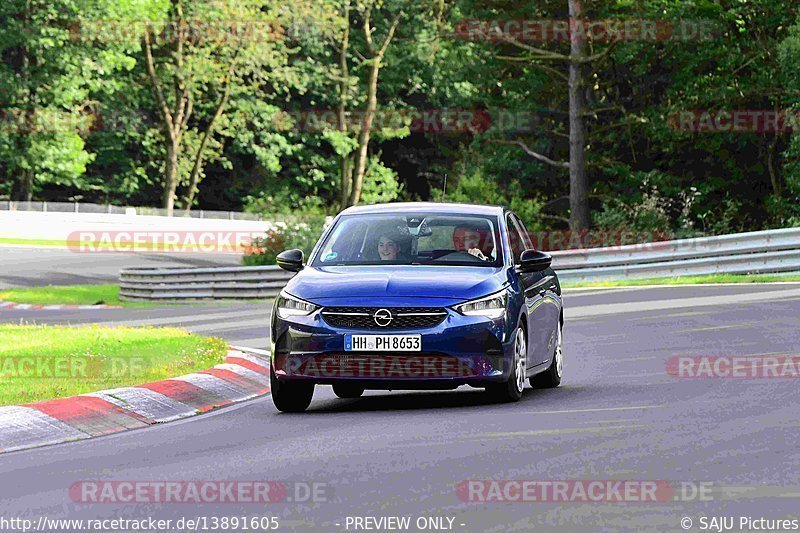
<point>460,350</point>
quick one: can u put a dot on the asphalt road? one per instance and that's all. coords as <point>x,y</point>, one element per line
<point>246,324</point>
<point>35,266</point>
<point>617,416</point>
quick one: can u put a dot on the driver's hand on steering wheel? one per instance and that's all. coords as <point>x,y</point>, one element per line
<point>477,253</point>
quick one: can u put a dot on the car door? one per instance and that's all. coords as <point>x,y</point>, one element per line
<point>542,304</point>
<point>549,284</point>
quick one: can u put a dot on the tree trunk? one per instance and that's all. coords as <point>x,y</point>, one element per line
<point>174,120</point>
<point>171,178</point>
<point>194,179</point>
<point>26,193</point>
<point>345,176</point>
<point>376,56</point>
<point>774,177</point>
<point>26,186</point>
<point>365,133</point>
<point>345,160</point>
<point>578,181</point>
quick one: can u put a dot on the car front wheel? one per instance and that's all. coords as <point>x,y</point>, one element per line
<point>511,390</point>
<point>288,396</point>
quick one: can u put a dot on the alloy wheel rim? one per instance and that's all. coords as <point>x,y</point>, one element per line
<point>559,354</point>
<point>519,357</point>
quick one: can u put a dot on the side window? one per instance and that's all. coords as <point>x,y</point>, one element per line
<point>516,238</point>
<point>524,231</point>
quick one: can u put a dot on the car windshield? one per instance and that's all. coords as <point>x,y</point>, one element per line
<point>412,239</point>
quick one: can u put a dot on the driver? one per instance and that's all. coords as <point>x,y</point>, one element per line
<point>466,239</point>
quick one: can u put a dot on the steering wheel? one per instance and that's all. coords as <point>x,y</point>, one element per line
<point>461,254</point>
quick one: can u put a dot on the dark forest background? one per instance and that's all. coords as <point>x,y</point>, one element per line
<point>212,104</point>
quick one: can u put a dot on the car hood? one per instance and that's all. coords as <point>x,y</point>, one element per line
<point>450,282</point>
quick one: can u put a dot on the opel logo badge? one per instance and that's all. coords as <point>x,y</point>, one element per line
<point>383,317</point>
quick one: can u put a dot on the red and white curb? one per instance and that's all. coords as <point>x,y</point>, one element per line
<point>60,307</point>
<point>243,376</point>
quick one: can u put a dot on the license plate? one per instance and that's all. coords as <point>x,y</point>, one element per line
<point>383,343</point>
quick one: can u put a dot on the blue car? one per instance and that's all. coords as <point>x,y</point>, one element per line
<point>417,296</point>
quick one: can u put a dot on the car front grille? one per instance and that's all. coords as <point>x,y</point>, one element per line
<point>401,317</point>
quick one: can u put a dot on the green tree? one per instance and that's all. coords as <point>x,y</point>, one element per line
<point>45,83</point>
<point>786,203</point>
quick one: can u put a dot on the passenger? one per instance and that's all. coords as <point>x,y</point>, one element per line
<point>388,248</point>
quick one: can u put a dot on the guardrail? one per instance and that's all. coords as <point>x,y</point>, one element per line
<point>762,252</point>
<point>218,283</point>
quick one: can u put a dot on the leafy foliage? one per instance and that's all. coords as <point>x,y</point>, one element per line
<point>300,233</point>
<point>645,174</point>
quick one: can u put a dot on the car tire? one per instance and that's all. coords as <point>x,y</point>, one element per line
<point>288,396</point>
<point>347,390</point>
<point>551,377</point>
<point>511,390</point>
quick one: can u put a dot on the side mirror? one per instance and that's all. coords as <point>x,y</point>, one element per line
<point>291,260</point>
<point>534,261</point>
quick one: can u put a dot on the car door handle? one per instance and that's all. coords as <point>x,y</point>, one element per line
<point>542,292</point>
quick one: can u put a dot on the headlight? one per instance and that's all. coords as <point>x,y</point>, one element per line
<point>492,306</point>
<point>290,306</point>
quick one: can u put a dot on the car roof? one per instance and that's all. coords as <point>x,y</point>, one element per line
<point>431,207</point>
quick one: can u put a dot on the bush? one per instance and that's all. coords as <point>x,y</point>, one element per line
<point>286,236</point>
<point>651,211</point>
<point>264,250</point>
<point>477,189</point>
<point>380,184</point>
<point>726,219</point>
<point>305,234</point>
<point>529,210</point>
<point>284,202</point>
